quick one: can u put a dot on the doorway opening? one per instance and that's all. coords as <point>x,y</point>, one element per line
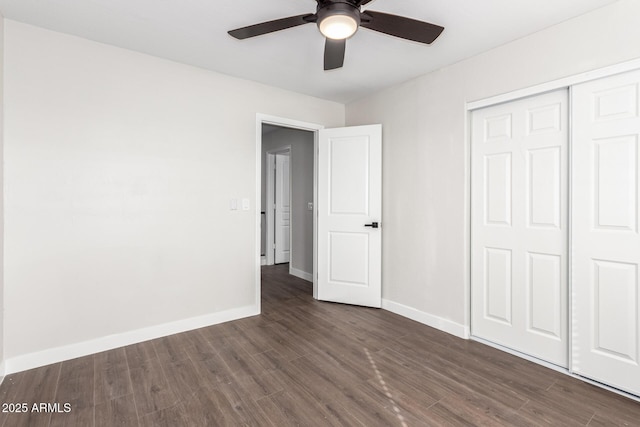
<point>346,239</point>
<point>286,172</point>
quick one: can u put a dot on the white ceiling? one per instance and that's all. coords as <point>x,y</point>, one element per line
<point>195,32</point>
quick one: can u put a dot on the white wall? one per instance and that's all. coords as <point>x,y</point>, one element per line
<point>425,152</point>
<point>301,143</point>
<point>119,172</point>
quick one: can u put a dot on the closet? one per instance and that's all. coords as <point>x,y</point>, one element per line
<point>555,247</point>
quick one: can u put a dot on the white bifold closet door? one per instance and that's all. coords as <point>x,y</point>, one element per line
<point>519,225</point>
<point>605,239</point>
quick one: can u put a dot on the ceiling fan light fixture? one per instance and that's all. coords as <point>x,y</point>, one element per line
<point>338,20</point>
<point>338,27</point>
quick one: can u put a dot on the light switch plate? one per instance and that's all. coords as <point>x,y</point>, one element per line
<point>233,205</point>
<point>246,205</point>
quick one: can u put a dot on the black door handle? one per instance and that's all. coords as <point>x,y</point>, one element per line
<point>372,225</point>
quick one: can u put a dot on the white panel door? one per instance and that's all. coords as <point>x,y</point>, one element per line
<point>349,215</point>
<point>283,210</point>
<point>605,239</point>
<point>519,226</point>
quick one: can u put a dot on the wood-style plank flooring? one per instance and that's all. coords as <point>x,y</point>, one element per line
<point>309,363</point>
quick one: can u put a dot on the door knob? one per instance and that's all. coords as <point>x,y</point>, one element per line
<point>372,225</point>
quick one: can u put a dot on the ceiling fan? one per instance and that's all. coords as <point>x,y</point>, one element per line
<point>340,19</point>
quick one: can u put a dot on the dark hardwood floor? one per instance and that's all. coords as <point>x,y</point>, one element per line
<point>308,363</point>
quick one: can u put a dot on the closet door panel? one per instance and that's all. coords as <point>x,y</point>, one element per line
<point>605,239</point>
<point>519,225</point>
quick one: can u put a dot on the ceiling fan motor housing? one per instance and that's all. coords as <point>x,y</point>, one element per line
<point>337,7</point>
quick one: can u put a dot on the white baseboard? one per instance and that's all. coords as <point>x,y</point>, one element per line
<point>440,323</point>
<point>263,260</point>
<point>2,374</point>
<point>301,274</point>
<point>67,352</point>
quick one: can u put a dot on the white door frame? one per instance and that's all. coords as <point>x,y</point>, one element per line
<point>293,124</point>
<point>270,192</point>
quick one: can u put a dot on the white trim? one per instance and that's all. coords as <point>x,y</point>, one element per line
<point>284,122</point>
<point>295,124</point>
<point>263,260</point>
<point>556,84</point>
<point>570,297</point>
<point>72,351</point>
<point>316,153</point>
<point>445,325</point>
<point>2,372</point>
<point>467,221</point>
<point>301,274</point>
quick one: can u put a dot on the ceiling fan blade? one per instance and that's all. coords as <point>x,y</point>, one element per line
<point>334,53</point>
<point>399,26</point>
<point>272,26</point>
